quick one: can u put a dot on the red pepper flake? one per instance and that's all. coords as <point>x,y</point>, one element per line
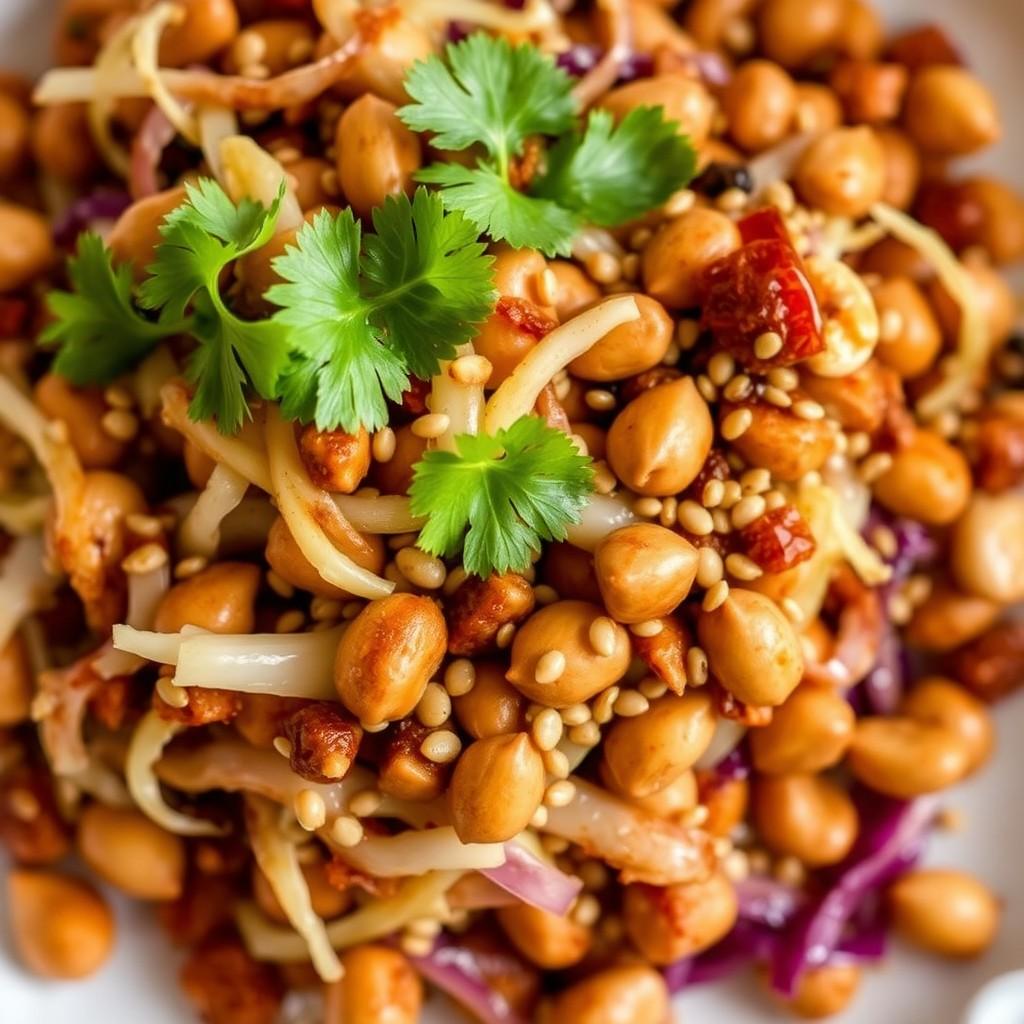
<point>778,540</point>
<point>525,315</point>
<point>414,400</point>
<point>764,225</point>
<point>759,288</point>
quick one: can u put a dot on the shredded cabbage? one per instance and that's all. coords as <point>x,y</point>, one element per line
<point>145,49</point>
<point>25,585</point>
<point>199,532</point>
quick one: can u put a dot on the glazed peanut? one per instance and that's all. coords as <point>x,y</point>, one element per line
<point>1000,211</point>
<point>62,928</point>
<point>131,852</point>
<point>902,167</point>
<point>842,172</point>
<point>676,257</point>
<point>949,112</point>
<point>575,292</point>
<point>377,154</point>
<point>824,991</point>
<point>493,707</point>
<point>14,132</point>
<point>497,785</point>
<point>629,349</point>
<point>793,32</point>
<point>760,103</point>
<point>388,655</point>
<point>565,626</point>
<point>805,816</point>
<point>911,349</point>
<point>393,45</point>
<point>666,924</point>
<point>817,108</point>
<point>644,571</point>
<point>208,27</point>
<point>617,995</point>
<point>948,618</point>
<point>782,442</point>
<point>26,248</point>
<point>135,236</point>
<point>946,912</point>
<point>62,144</point>
<point>646,753</point>
<point>336,460</point>
<point>808,733</point>
<point>751,648</point>
<point>678,797</point>
<point>929,480</point>
<point>379,987</point>
<point>905,757</point>
<point>992,295</point>
<point>658,443</point>
<point>683,99</point>
<point>987,551</point>
<point>82,409</point>
<point>946,703</point>
<point>549,941</point>
<point>220,599</point>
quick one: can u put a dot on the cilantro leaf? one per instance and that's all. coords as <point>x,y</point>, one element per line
<point>610,173</point>
<point>364,312</point>
<point>200,238</point>
<point>492,93</point>
<point>498,497</point>
<point>98,329</point>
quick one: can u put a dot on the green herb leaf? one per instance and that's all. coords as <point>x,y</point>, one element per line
<point>365,312</point>
<point>610,173</point>
<point>200,238</point>
<point>100,333</point>
<point>498,497</point>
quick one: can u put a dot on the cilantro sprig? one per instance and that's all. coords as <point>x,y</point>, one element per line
<point>496,498</point>
<point>365,312</point>
<point>492,96</point>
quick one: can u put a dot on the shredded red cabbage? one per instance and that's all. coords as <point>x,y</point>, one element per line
<point>458,972</point>
<point>765,901</point>
<point>735,766</point>
<point>155,134</point>
<point>531,880</point>
<point>86,212</point>
<point>891,838</point>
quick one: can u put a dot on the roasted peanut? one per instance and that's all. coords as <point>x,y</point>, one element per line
<point>648,752</point>
<point>760,103</point>
<point>752,648</point>
<point>493,707</point>
<point>684,101</point>
<point>497,786</point>
<point>668,923</point>
<point>817,108</point>
<point>987,552</point>
<point>905,757</point>
<point>393,44</point>
<point>945,702</point>
<point>644,571</point>
<point>575,291</point>
<point>479,608</point>
<point>948,618</point>
<point>824,991</point>
<point>999,213</point>
<point>949,112</point>
<point>794,32</point>
<point>26,247</point>
<point>62,144</point>
<point>379,987</point>
<point>631,994</point>
<point>208,27</point>
<point>545,939</point>
<point>659,442</point>
<point>911,348</point>
<point>678,797</point>
<point>676,257</point>
<point>929,480</point>
<point>805,816</point>
<point>565,626</point>
<point>871,92</point>
<point>508,334</point>
<point>808,733</point>
<point>842,172</point>
<point>131,852</point>
<point>62,928</point>
<point>902,167</point>
<point>946,912</point>
<point>135,236</point>
<point>992,294</point>
<point>334,459</point>
<point>782,442</point>
<point>82,409</point>
<point>220,599</point>
<point>14,134</point>
<point>629,349</point>
<point>388,655</point>
<point>377,154</point>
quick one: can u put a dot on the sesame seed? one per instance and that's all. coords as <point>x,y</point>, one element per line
<point>310,809</point>
<point>669,511</point>
<point>599,399</point>
<point>720,519</point>
<point>732,200</point>
<point>874,466</point>
<point>709,567</point>
<point>652,688</point>
<point>731,493</point>
<point>746,510</point>
<point>783,377</point>
<point>756,481</point>
<point>279,586</point>
<point>365,803</point>
<point>792,610</point>
<point>707,390</point>
<point>716,596</point>
<point>736,866</point>
<point>806,409</point>
<point>435,706</point>
<point>649,628</point>
<point>679,203</point>
<point>544,594</point>
<point>420,569</point>
<point>773,500</point>
<point>471,369</point>
<point>373,727</point>
<point>547,287</point>
<point>742,567</point>
<point>550,667</point>
<point>687,333</point>
<point>631,266</point>
<point>738,388</point>
<point>631,703</point>
<point>714,491</point>
<point>602,707</point>
<point>290,621</point>
<point>283,746</point>
<point>576,714</point>
<point>560,794</point>
<point>556,763</point>
<point>780,195</point>
<point>602,636</point>
<point>695,518</point>
<point>504,635</point>
<point>431,426</point>
<point>383,446</point>
<point>144,559</point>
<point>149,527</point>
<point>603,267</point>
<point>673,354</point>
<point>170,693</point>
<point>586,735</point>
<point>455,578</point>
<point>640,237</point>
<point>119,397</point>
<point>540,817</point>
<point>721,367</point>
<point>767,345</point>
<point>777,397</point>
<point>736,424</point>
<point>647,507</point>
<point>696,666</point>
<point>459,677</point>
<point>441,747</point>
<point>189,567</point>
<point>546,729</point>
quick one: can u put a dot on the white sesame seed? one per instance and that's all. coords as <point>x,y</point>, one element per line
<point>560,794</point>
<point>669,511</point>
<point>599,399</point>
<point>767,345</point>
<point>504,635</point>
<point>556,763</point>
<point>737,423</point>
<point>696,666</point>
<point>746,510</point>
<point>721,520</point>
<point>471,369</point>
<point>441,747</point>
<point>586,735</point>
<point>777,397</point>
<point>707,390</point>
<point>602,707</point>
<point>652,688</point>
<point>279,586</point>
<point>649,628</point>
<point>631,703</point>
<point>783,377</point>
<point>547,287</point>
<point>716,596</point>
<point>384,443</point>
<point>430,426</point>
<point>189,567</point>
<point>647,507</point>
<point>550,667</point>
<point>756,481</point>
<point>546,729</point>
<point>687,333</point>
<point>310,809</point>
<point>695,518</point>
<point>435,706</point>
<point>540,817</point>
<point>459,677</point>
<point>721,367</point>
<point>738,388</point>
<point>283,746</point>
<point>170,693</point>
<point>144,559</point>
<point>603,267</point>
<point>576,714</point>
<point>714,491</point>
<point>874,466</point>
<point>602,636</point>
<point>742,567</point>
<point>420,569</point>
<point>806,409</point>
<point>709,567</point>
<point>365,803</point>
<point>679,203</point>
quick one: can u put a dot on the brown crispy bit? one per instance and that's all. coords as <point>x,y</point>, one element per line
<point>227,986</point>
<point>30,827</point>
<point>778,540</point>
<point>480,607</point>
<point>324,741</point>
<point>858,400</point>
<point>205,905</point>
<point>404,772</point>
<point>919,47</point>
<point>636,386</point>
<point>665,652</point>
<point>205,706</point>
<point>263,715</point>
<point>993,665</point>
<point>525,315</point>
<point>522,169</point>
<point>112,701</point>
<point>735,710</point>
<point>897,428</point>
<point>715,468</point>
<point>335,460</point>
<point>725,799</point>
<point>551,410</point>
<point>1000,453</point>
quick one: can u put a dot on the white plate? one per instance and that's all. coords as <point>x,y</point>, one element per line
<point>139,982</point>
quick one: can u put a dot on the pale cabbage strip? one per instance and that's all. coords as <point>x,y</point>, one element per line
<point>21,514</point>
<point>145,592</point>
<point>278,859</point>
<point>418,897</point>
<point>199,532</point>
<point>416,851</point>
<point>518,394</point>
<point>284,664</point>
<point>309,512</point>
<point>972,341</point>
<point>145,50</point>
<point>25,585</point>
<point>463,404</point>
<point>249,171</point>
<point>215,123</point>
<point>149,739</point>
<point>383,513</point>
<point>603,514</point>
<point>111,63</point>
<point>534,16</point>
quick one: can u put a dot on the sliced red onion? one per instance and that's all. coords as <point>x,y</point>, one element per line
<point>155,134</point>
<point>712,67</point>
<point>457,971</point>
<point>84,213</point>
<point>883,685</point>
<point>534,882</point>
<point>889,842</point>
<point>765,901</point>
<point>579,59</point>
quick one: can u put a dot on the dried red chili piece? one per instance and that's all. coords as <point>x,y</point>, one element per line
<point>760,288</point>
<point>764,225</point>
<point>665,653</point>
<point>922,46</point>
<point>525,315</point>
<point>952,210</point>
<point>993,665</point>
<point>779,539</point>
<point>715,467</point>
<point>1000,447</point>
<point>414,400</point>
